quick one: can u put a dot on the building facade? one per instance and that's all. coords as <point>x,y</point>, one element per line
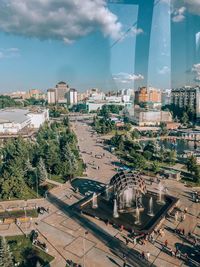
<point>61,92</point>
<point>148,95</point>
<point>51,96</point>
<point>14,121</point>
<point>187,97</point>
<point>151,117</point>
<point>72,97</point>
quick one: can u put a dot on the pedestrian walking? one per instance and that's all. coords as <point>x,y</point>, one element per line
<point>185,210</point>
<point>148,255</point>
<point>166,243</point>
<point>143,255</point>
<point>121,228</point>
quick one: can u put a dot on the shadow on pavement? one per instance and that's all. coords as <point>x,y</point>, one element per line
<point>86,185</point>
<point>115,245</point>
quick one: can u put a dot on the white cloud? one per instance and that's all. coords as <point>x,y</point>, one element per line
<point>9,52</point>
<point>178,14</point>
<point>136,31</point>
<point>196,71</point>
<point>193,6</point>
<point>64,20</point>
<point>123,77</point>
<point>164,70</point>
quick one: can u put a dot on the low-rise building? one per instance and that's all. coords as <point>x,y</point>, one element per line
<point>36,93</point>
<point>13,121</point>
<point>96,105</point>
<point>151,117</point>
<point>189,134</point>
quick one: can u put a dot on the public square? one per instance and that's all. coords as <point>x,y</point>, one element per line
<point>92,243</point>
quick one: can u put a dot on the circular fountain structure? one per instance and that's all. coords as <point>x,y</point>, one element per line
<point>127,189</point>
<point>126,201</point>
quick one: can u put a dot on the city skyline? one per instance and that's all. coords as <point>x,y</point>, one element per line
<point>96,50</point>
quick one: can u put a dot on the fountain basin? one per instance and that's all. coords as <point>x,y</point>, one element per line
<point>128,220</point>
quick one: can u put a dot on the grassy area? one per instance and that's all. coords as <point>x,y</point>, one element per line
<point>62,180</point>
<point>57,178</point>
<point>80,168</point>
<point>189,181</point>
<point>18,213</point>
<point>30,193</point>
<point>25,253</point>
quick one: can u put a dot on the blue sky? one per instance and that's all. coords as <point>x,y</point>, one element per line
<point>43,42</point>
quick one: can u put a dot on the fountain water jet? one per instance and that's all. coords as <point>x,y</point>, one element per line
<point>150,212</point>
<point>115,210</point>
<point>94,201</point>
<point>128,197</point>
<point>107,193</point>
<point>160,194</point>
<point>137,216</point>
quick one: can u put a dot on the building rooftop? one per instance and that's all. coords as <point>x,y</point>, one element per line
<point>62,82</point>
<point>16,115</point>
<point>13,115</point>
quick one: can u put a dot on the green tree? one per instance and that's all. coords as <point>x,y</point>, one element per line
<point>163,129</point>
<point>148,155</point>
<point>42,172</point>
<point>171,156</point>
<point>138,161</point>
<point>135,134</point>
<point>197,174</point>
<point>30,174</point>
<point>185,118</point>
<point>6,259</point>
<point>155,167</point>
<point>151,147</point>
<point>191,164</point>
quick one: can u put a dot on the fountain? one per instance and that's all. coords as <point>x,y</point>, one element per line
<point>126,197</point>
<point>94,201</point>
<point>115,210</point>
<point>160,194</point>
<point>150,212</point>
<point>107,193</point>
<point>176,216</point>
<point>137,216</point>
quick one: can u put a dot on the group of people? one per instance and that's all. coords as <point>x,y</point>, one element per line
<point>180,216</point>
<point>196,196</point>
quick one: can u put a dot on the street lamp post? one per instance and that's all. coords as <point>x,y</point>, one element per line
<point>85,233</point>
<point>25,221</point>
<point>37,183</point>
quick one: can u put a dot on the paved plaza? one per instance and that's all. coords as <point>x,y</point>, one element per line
<point>69,237</point>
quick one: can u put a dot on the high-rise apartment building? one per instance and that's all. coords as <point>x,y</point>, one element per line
<point>51,96</point>
<point>187,97</point>
<point>61,92</point>
<point>72,96</point>
<point>148,95</point>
